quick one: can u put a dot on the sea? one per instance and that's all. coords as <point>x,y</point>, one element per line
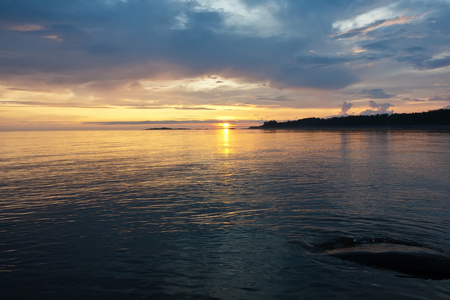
<point>220,214</point>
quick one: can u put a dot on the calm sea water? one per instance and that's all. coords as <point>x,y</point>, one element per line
<point>217,214</point>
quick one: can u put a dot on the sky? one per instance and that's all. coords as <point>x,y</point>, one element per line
<point>129,64</point>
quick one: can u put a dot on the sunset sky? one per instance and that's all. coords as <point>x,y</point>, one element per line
<point>107,64</point>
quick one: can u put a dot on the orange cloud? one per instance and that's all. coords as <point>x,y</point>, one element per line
<point>379,24</point>
<point>53,37</point>
<point>27,27</point>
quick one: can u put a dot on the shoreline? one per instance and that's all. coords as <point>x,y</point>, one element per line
<point>431,120</point>
<point>355,128</point>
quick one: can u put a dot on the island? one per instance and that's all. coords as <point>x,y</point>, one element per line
<point>434,119</point>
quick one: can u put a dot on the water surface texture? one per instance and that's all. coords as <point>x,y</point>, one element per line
<point>220,214</point>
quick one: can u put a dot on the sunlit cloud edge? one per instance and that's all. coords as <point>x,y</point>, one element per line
<point>170,122</point>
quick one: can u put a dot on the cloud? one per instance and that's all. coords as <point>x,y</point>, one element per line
<point>168,107</point>
<point>278,98</point>
<point>194,108</point>
<point>430,64</point>
<point>376,93</point>
<point>378,109</point>
<point>413,49</point>
<point>439,98</point>
<point>345,110</point>
<point>413,100</point>
<point>424,62</point>
<point>311,61</point>
<point>377,24</point>
<point>165,122</point>
<point>345,107</point>
<point>409,32</point>
<point>194,37</point>
<point>98,39</point>
<point>150,54</point>
<point>329,77</point>
<point>50,104</point>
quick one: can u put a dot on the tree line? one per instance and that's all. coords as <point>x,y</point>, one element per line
<point>433,118</point>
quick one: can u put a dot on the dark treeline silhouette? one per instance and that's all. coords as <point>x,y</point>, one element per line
<point>435,118</point>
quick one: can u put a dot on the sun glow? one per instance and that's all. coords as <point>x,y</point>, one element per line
<point>225,125</point>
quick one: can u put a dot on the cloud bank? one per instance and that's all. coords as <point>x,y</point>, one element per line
<point>206,54</point>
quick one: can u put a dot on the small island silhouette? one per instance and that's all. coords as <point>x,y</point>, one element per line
<point>434,119</point>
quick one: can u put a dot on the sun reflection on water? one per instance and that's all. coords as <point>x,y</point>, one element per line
<point>226,141</point>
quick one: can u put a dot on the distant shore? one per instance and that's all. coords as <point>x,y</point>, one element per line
<point>431,120</point>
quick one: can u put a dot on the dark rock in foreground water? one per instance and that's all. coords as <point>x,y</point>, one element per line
<point>406,257</point>
<point>413,261</point>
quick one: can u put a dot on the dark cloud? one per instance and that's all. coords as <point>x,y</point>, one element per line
<point>436,63</point>
<point>384,45</point>
<point>376,93</point>
<point>314,61</point>
<point>413,100</point>
<point>413,49</point>
<point>423,62</point>
<point>95,39</point>
<point>440,98</point>
<point>330,77</point>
